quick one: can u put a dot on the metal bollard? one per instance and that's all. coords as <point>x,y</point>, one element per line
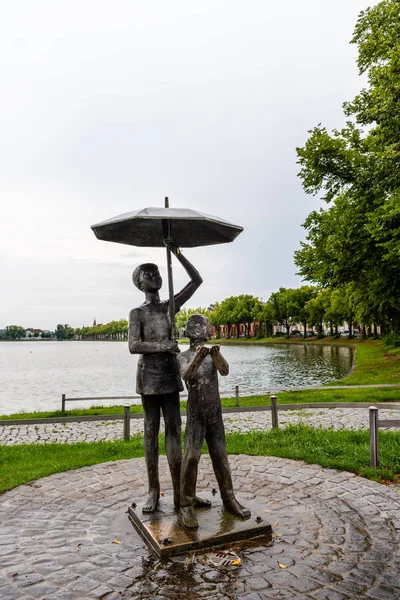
<point>127,423</point>
<point>237,395</point>
<point>373,437</point>
<point>63,404</point>
<point>274,412</point>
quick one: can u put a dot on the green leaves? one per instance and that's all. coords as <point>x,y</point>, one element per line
<point>14,332</point>
<point>357,239</point>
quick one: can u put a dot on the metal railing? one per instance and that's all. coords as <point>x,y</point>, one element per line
<point>183,395</point>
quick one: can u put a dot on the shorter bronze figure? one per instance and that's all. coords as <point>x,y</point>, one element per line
<point>199,367</point>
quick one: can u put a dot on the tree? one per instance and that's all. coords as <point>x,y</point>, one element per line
<point>64,332</point>
<point>316,308</point>
<point>334,311</point>
<point>246,309</point>
<point>357,238</point>
<point>215,317</point>
<point>14,332</point>
<point>281,305</point>
<point>265,317</point>
<point>299,299</point>
<point>227,314</point>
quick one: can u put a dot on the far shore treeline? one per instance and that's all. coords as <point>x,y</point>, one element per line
<point>299,311</point>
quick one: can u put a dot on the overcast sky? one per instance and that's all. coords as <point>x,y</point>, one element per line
<point>108,106</point>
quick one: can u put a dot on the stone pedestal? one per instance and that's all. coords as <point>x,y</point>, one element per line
<point>165,535</point>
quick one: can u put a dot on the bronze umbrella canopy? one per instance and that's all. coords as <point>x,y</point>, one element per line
<point>150,227</point>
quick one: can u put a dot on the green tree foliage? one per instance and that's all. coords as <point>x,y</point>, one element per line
<point>227,315</point>
<point>64,332</point>
<point>334,310</point>
<point>114,330</point>
<point>264,315</point>
<point>14,332</point>
<point>279,308</point>
<point>288,305</point>
<point>356,240</point>
<point>298,300</point>
<point>316,309</point>
<point>246,311</point>
<point>215,317</point>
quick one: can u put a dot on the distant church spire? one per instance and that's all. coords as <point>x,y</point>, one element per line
<point>94,322</point>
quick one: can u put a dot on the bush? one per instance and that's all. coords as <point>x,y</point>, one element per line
<point>320,336</point>
<point>392,339</point>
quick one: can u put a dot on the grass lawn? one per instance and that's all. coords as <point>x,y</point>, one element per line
<point>344,450</point>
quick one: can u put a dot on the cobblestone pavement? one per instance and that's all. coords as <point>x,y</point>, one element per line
<point>67,537</point>
<point>335,418</point>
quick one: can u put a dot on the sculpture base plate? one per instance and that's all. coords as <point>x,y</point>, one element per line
<point>166,536</point>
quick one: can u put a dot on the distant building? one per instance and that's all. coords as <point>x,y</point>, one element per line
<point>32,333</point>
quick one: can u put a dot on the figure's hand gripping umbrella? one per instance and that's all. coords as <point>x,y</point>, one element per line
<point>158,227</point>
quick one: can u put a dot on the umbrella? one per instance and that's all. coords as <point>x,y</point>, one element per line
<point>150,227</point>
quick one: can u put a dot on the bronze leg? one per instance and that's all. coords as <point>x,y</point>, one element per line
<point>173,445</point>
<point>151,407</point>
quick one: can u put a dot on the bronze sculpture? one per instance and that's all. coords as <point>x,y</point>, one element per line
<point>199,368</point>
<point>152,325</point>
<point>158,380</point>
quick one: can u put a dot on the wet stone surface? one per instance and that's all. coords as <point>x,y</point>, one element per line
<point>67,537</point>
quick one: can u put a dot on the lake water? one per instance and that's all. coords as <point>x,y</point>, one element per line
<point>33,375</point>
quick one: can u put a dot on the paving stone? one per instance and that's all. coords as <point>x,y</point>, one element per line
<point>383,591</point>
<point>27,579</point>
<point>258,583</point>
<point>328,594</point>
<point>83,585</point>
<point>215,576</point>
<point>101,592</point>
<point>40,591</point>
<point>332,545</point>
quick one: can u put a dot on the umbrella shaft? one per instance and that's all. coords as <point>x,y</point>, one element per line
<point>171,294</point>
<point>167,234</point>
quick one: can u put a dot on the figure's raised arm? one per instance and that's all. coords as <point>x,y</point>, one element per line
<point>195,277</point>
<point>220,363</point>
<point>138,346</point>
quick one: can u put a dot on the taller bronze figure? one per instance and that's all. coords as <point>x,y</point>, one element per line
<point>158,380</point>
